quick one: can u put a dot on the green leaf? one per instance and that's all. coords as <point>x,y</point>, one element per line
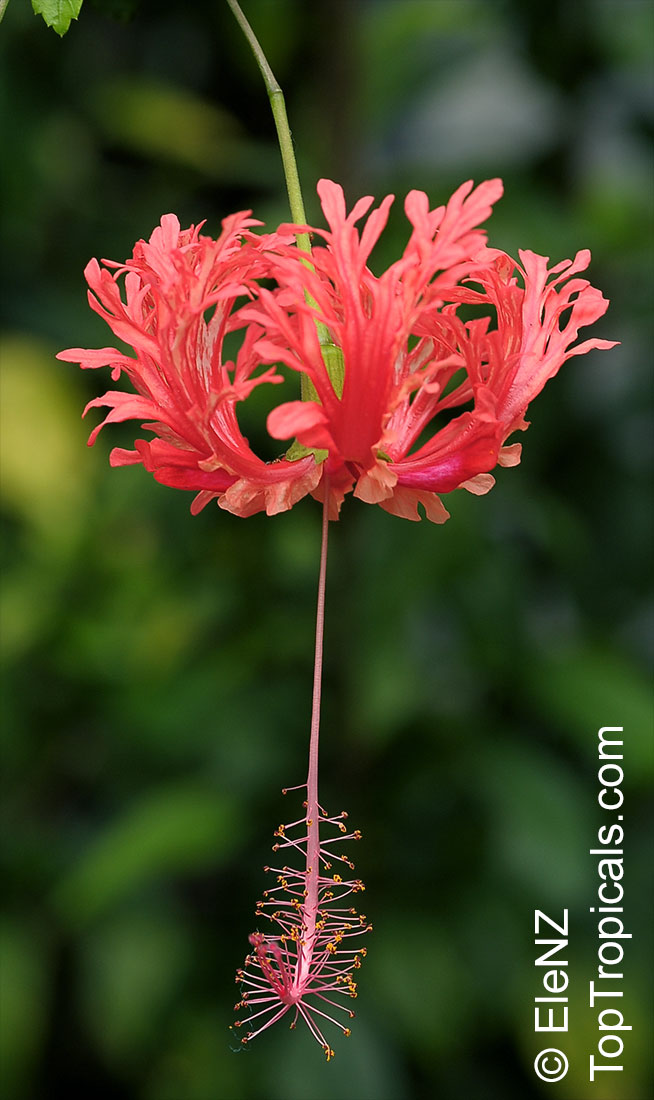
<point>58,14</point>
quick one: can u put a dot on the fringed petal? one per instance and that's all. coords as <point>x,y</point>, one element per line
<point>479,485</point>
<point>246,496</point>
<point>305,421</point>
<point>404,503</point>
<point>376,484</point>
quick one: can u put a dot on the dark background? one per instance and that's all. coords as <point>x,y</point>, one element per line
<point>158,667</point>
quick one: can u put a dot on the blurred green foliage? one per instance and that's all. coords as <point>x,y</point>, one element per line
<point>157,667</point>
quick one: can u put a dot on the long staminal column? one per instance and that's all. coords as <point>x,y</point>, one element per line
<point>307,963</point>
<point>313,812</point>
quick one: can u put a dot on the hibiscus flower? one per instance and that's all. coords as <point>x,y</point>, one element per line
<point>405,396</point>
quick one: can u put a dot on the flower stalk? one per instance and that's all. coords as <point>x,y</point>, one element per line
<point>292,177</point>
<point>278,106</point>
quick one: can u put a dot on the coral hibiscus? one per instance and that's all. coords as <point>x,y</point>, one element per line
<point>399,353</point>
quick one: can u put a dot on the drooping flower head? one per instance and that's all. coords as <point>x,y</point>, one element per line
<point>306,966</point>
<point>408,399</point>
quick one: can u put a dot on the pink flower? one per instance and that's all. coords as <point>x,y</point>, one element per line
<point>408,399</point>
<point>180,291</point>
<point>404,355</point>
<point>306,966</point>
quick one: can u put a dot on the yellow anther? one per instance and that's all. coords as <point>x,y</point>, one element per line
<point>347,1032</point>
<point>337,878</point>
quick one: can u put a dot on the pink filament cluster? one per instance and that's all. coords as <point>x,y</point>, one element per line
<point>306,965</point>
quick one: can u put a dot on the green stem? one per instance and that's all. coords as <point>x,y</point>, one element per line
<point>278,105</point>
<point>3,5</point>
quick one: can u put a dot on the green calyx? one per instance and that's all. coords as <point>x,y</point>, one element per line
<point>298,450</point>
<point>335,364</point>
<point>333,360</point>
